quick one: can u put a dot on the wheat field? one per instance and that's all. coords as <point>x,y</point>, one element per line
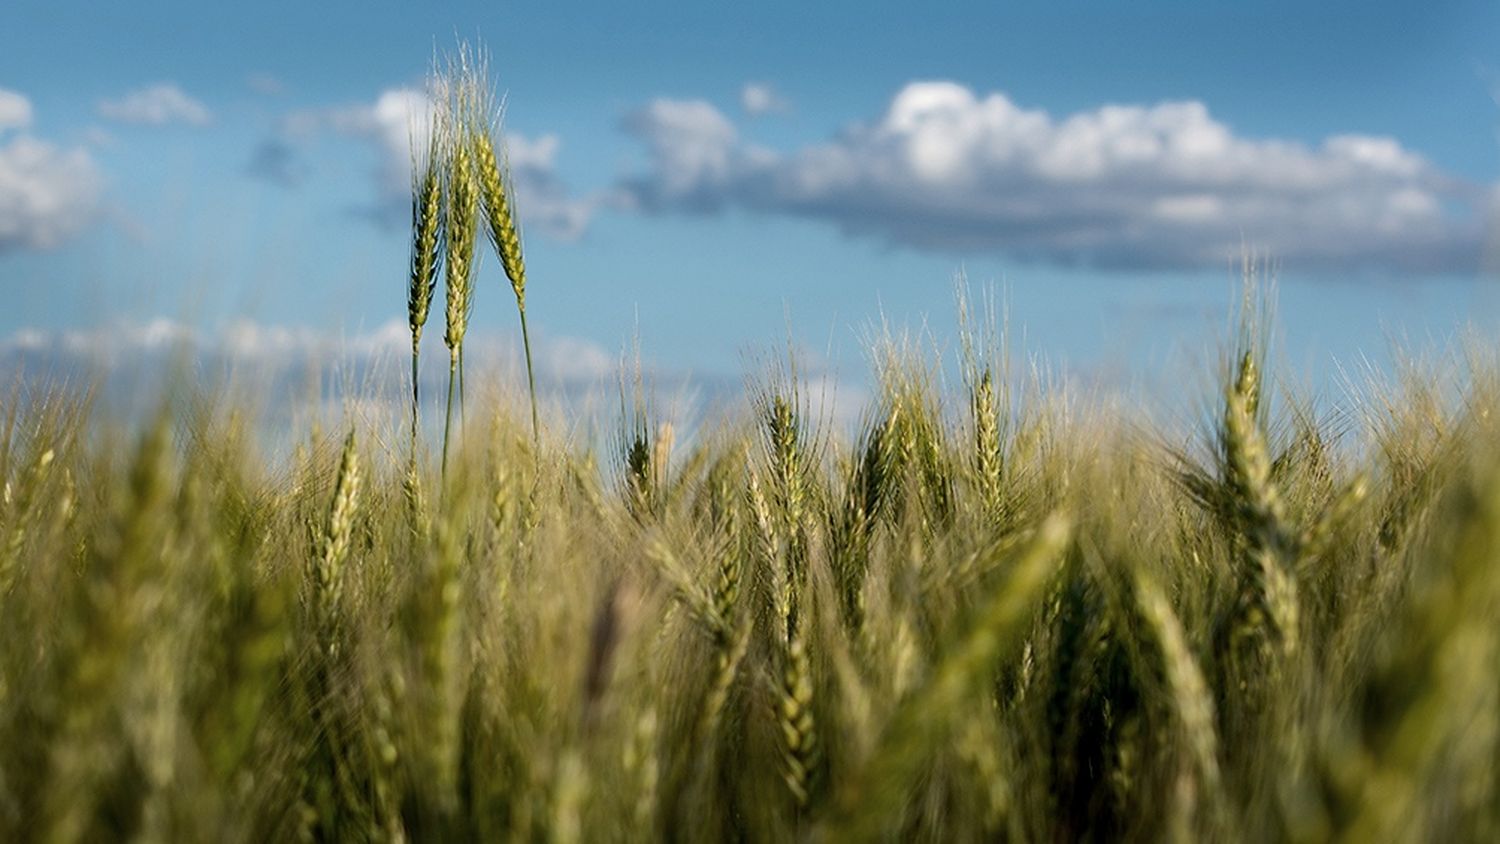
<point>996,610</point>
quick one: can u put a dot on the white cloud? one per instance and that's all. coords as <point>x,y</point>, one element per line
<point>559,358</point>
<point>291,355</point>
<point>264,84</point>
<point>131,360</point>
<point>397,125</point>
<point>1118,186</point>
<point>696,155</point>
<point>156,105</point>
<point>571,359</point>
<point>758,98</point>
<point>47,194</point>
<point>98,137</point>
<point>15,111</point>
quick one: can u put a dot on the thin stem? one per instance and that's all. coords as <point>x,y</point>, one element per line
<point>448,418</point>
<point>414,398</point>
<point>530,373</point>
<point>461,417</point>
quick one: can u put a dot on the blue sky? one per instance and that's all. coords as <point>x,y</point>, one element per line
<point>708,172</point>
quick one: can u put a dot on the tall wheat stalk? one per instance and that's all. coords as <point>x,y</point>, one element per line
<point>462,222</point>
<point>497,185</point>
<point>426,240</point>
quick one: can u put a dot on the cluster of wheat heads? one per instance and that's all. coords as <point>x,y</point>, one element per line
<point>461,181</point>
<point>998,611</point>
<point>994,612</point>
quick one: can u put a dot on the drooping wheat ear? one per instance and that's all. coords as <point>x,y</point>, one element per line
<point>498,188</point>
<point>462,224</point>
<point>338,531</point>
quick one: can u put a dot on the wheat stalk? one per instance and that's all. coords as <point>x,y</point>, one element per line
<point>426,240</point>
<point>497,186</point>
<point>461,225</point>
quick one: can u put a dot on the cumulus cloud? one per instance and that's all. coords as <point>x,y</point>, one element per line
<point>396,125</point>
<point>156,105</point>
<point>15,111</point>
<point>47,193</point>
<point>697,160</point>
<point>1120,186</point>
<point>758,98</point>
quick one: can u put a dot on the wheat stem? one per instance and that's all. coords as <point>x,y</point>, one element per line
<point>536,431</point>
<point>415,403</point>
<point>448,417</point>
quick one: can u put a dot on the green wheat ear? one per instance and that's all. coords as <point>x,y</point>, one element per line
<point>1269,591</point>
<point>497,186</point>
<point>426,242</point>
<point>335,538</point>
<point>462,223</point>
